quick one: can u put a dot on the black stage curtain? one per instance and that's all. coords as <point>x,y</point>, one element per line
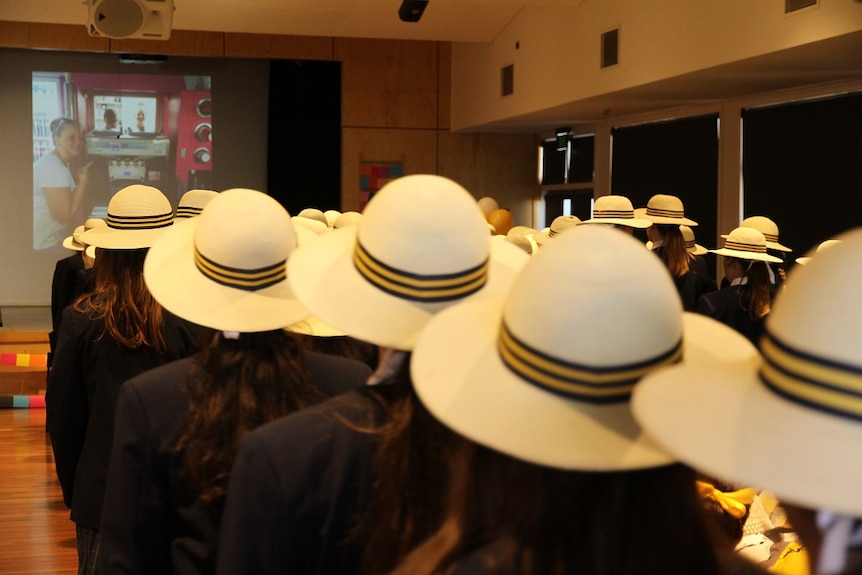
<point>679,158</point>
<point>304,134</point>
<point>802,167</point>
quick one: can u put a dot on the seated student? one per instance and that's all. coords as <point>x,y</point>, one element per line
<point>352,484</point>
<point>554,475</point>
<point>745,303</point>
<point>177,427</point>
<point>789,423</point>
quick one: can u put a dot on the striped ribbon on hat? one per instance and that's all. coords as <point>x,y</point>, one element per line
<point>617,214</point>
<point>744,246</point>
<point>812,381</point>
<point>188,211</point>
<point>577,381</point>
<point>244,279</point>
<point>665,213</point>
<point>149,222</point>
<point>419,287</point>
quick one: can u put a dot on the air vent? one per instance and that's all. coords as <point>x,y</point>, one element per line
<point>507,80</point>
<point>611,48</point>
<point>794,5</point>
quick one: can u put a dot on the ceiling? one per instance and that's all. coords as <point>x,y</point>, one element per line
<point>444,20</point>
<point>833,60</point>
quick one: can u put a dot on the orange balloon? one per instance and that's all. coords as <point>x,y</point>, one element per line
<point>501,219</point>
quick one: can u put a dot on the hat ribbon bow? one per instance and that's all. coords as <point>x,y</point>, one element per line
<point>732,502</point>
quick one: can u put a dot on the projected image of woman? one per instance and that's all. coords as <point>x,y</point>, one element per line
<point>59,192</point>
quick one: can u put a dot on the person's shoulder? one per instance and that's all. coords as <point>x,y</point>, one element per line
<point>335,375</point>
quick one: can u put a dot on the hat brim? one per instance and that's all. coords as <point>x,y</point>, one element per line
<point>464,383</point>
<point>325,279</point>
<point>313,326</point>
<point>174,280</point>
<point>756,256</point>
<point>628,222</point>
<point>641,213</point>
<point>114,239</point>
<point>70,244</point>
<point>725,422</point>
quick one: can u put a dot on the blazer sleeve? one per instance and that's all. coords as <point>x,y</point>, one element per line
<point>67,408</point>
<point>135,531</point>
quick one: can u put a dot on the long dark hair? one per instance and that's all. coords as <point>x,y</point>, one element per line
<point>410,476</point>
<point>241,384</point>
<point>537,520</point>
<point>122,301</point>
<point>673,252</point>
<point>756,295</point>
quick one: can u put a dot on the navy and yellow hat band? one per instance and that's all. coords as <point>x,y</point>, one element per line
<point>744,247</point>
<point>244,279</point>
<point>188,211</point>
<point>418,287</point>
<point>814,382</point>
<point>616,214</point>
<point>658,212</point>
<point>590,384</point>
<point>140,222</point>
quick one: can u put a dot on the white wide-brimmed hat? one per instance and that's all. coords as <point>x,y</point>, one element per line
<point>746,244</point>
<point>137,216</point>
<point>331,216</point>
<point>821,247</point>
<point>74,242</point>
<point>545,375</point>
<point>664,209</point>
<point>347,219</point>
<point>768,228</point>
<point>192,202</point>
<point>557,227</point>
<point>616,210</point>
<point>315,226</point>
<point>791,423</point>
<point>226,269</point>
<point>421,245</point>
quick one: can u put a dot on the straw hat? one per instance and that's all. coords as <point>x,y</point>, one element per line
<point>346,219</point>
<point>225,269</point>
<point>822,246</point>
<point>193,201</point>
<point>558,226</point>
<point>545,374</point>
<point>664,209</point>
<point>315,226</point>
<point>616,210</point>
<point>421,245</point>
<point>314,214</point>
<point>768,228</point>
<point>791,423</point>
<point>746,244</point>
<point>331,216</point>
<point>137,216</point>
<point>74,242</point>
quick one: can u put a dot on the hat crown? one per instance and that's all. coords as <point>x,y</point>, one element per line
<point>602,288</point>
<point>141,203</point>
<point>193,202</point>
<point>424,225</point>
<point>244,230</point>
<point>762,224</point>
<point>313,214</point>
<point>607,206</point>
<point>745,239</point>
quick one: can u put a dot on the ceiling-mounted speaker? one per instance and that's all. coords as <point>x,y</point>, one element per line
<point>412,10</point>
<point>148,19</point>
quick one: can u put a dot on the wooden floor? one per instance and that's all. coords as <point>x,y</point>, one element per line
<point>36,535</point>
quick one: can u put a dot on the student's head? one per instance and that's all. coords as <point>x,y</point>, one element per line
<point>68,142</point>
<point>110,118</point>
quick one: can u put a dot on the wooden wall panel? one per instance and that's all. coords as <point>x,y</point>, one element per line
<point>181,43</point>
<point>502,166</point>
<point>278,47</point>
<point>415,149</point>
<point>444,89</point>
<point>50,36</point>
<point>388,83</point>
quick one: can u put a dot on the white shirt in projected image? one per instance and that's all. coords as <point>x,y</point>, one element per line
<point>48,172</point>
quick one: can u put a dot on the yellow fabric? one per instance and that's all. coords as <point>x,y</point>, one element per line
<point>733,502</point>
<point>792,561</point>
